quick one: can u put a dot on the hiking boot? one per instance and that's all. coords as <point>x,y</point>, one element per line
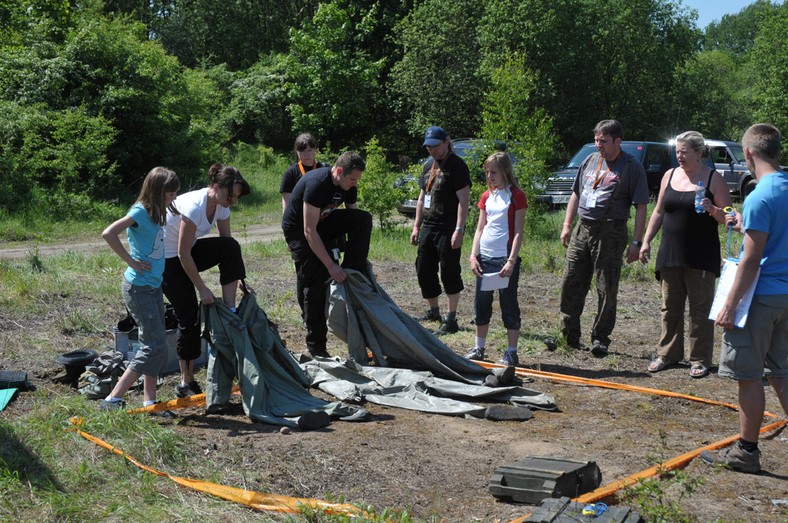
<point>734,457</point>
<point>190,389</point>
<point>475,354</point>
<point>509,358</point>
<point>111,405</point>
<point>599,349</point>
<point>318,353</point>
<point>430,315</point>
<point>448,327</point>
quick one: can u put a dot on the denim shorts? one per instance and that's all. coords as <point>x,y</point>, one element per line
<point>146,305</point>
<point>482,301</point>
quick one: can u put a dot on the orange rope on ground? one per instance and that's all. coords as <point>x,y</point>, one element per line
<point>609,490</point>
<point>612,385</point>
<point>257,500</point>
<point>673,463</point>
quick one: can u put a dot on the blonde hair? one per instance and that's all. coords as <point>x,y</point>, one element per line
<point>158,181</point>
<point>503,163</point>
<point>695,140</point>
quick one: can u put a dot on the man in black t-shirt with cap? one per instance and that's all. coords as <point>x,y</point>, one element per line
<point>439,227</point>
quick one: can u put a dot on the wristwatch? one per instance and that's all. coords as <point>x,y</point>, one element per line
<point>459,229</point>
<point>637,243</point>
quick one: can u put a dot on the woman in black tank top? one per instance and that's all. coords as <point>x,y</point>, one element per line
<point>688,261</point>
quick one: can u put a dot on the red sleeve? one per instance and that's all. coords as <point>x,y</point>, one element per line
<point>520,200</point>
<point>483,201</point>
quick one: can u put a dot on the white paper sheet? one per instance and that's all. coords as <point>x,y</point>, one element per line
<point>493,280</point>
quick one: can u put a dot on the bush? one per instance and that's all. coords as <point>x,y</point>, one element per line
<point>376,189</point>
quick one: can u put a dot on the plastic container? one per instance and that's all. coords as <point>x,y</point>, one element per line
<point>700,194</point>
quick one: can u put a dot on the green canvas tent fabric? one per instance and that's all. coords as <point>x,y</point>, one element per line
<point>413,368</point>
<point>415,390</point>
<point>362,314</point>
<point>246,346</point>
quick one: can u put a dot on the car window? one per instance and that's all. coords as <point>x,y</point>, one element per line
<point>580,156</point>
<point>657,158</point>
<point>720,155</point>
<point>634,149</point>
<point>738,153</point>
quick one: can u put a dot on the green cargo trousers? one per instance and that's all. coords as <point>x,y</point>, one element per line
<point>596,249</point>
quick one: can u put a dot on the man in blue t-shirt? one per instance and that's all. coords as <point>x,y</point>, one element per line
<point>761,347</point>
<point>314,226</point>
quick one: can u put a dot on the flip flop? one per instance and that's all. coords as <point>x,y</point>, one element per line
<point>699,370</point>
<point>657,364</point>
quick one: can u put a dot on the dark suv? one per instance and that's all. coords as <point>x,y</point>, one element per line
<point>656,157</point>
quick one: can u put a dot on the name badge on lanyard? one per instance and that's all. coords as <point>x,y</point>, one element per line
<point>433,175</point>
<point>599,176</point>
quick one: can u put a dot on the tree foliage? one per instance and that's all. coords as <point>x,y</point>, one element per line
<point>768,69</point>
<point>333,83</point>
<point>594,60</point>
<point>736,32</point>
<point>96,92</point>
<point>508,115</point>
<point>709,96</point>
<point>376,190</point>
<point>437,81</point>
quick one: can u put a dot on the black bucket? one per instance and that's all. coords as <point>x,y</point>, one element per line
<point>75,362</point>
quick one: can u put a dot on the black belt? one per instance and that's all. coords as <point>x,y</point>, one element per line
<point>589,223</point>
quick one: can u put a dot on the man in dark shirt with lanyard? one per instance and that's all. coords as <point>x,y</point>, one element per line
<point>311,220</point>
<point>608,183</point>
<point>442,209</point>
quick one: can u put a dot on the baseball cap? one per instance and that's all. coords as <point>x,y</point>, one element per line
<point>434,136</point>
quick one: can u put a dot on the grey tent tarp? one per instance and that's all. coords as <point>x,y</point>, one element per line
<point>414,390</point>
<point>364,315</point>
<point>246,346</point>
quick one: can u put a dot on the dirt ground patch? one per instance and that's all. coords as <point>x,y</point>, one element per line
<point>438,467</point>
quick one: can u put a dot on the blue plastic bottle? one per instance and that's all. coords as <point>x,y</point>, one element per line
<point>700,193</point>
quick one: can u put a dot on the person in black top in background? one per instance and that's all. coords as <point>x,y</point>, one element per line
<point>305,147</point>
<point>439,227</point>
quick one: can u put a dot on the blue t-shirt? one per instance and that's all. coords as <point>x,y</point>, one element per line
<point>146,242</point>
<point>764,211</point>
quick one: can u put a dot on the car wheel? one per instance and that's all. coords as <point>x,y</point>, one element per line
<point>747,187</point>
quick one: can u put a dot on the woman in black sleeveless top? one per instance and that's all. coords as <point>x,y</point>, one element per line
<point>688,261</point>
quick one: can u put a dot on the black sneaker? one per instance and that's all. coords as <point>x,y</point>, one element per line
<point>448,327</point>
<point>599,349</point>
<point>430,315</point>
<point>319,353</point>
<point>184,391</point>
